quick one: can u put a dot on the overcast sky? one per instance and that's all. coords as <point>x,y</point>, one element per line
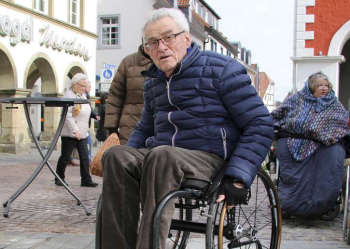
<point>265,27</point>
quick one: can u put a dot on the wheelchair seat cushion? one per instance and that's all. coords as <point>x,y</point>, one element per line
<point>194,184</point>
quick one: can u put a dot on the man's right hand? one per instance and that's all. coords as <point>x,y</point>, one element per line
<point>234,192</point>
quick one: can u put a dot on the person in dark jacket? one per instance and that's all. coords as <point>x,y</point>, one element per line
<point>125,100</point>
<point>200,113</point>
<point>312,126</point>
<point>102,133</point>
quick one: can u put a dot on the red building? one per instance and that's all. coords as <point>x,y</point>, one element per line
<point>321,35</point>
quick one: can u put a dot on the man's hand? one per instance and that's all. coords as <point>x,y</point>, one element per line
<point>98,118</point>
<point>78,135</point>
<point>234,192</point>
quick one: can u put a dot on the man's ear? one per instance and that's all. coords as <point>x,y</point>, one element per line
<point>188,39</point>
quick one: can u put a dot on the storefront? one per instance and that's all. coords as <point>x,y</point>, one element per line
<point>38,56</point>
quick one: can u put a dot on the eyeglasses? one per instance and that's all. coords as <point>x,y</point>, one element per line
<point>321,86</point>
<point>166,40</point>
<point>83,86</point>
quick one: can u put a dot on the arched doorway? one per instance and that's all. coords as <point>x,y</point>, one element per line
<point>8,75</point>
<point>40,78</point>
<point>344,77</point>
<point>72,70</point>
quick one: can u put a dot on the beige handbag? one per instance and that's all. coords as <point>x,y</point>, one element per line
<point>96,164</point>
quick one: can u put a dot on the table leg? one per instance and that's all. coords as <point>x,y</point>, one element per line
<point>7,204</point>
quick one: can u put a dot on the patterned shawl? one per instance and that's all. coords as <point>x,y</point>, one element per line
<point>322,119</point>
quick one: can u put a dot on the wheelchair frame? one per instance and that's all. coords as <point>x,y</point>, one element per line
<point>230,231</point>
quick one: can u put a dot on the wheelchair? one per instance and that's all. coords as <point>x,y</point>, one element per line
<point>256,224</point>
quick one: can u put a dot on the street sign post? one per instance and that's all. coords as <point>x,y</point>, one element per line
<point>107,75</point>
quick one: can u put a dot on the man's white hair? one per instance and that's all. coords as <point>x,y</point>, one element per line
<point>77,78</point>
<point>176,14</point>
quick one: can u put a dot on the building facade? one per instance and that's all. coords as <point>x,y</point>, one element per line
<point>321,43</point>
<point>120,33</point>
<point>43,44</point>
<point>267,91</point>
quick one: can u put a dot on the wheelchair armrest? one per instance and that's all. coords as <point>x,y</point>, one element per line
<point>196,184</point>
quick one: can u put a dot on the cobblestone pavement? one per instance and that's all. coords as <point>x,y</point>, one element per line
<point>47,216</point>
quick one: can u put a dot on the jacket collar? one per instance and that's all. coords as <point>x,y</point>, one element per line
<point>192,55</point>
<point>142,57</point>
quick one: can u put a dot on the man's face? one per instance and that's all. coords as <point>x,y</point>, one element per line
<point>88,87</point>
<point>167,57</point>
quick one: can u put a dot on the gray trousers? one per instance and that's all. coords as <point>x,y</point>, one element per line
<point>133,176</point>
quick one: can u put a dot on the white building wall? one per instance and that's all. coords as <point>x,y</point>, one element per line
<point>90,14</point>
<point>61,9</point>
<point>24,3</point>
<point>132,17</point>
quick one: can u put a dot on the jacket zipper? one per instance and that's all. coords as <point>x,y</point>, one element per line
<point>169,114</point>
<point>223,135</point>
<point>168,87</point>
<point>173,138</point>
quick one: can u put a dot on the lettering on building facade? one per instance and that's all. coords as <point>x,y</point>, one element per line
<point>16,30</point>
<point>50,39</point>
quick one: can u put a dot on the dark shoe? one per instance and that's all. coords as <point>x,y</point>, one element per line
<point>58,183</point>
<point>72,163</point>
<point>89,184</point>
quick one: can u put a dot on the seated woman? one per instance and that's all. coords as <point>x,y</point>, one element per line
<point>309,148</point>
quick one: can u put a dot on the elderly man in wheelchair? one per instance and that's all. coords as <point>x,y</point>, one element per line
<point>201,118</point>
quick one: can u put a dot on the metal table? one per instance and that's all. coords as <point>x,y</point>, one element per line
<point>50,102</point>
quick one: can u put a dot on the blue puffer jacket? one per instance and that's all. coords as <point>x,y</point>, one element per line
<point>208,104</point>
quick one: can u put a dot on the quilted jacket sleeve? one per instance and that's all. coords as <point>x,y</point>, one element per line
<point>144,128</point>
<point>251,117</point>
<point>116,97</point>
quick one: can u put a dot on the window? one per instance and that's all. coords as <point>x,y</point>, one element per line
<point>41,5</point>
<point>198,10</point>
<point>109,31</point>
<point>74,10</point>
<point>194,5</point>
<point>222,50</point>
<point>215,47</point>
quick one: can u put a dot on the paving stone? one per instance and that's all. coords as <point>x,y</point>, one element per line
<point>45,216</point>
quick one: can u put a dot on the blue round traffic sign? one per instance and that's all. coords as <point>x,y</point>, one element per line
<point>107,74</point>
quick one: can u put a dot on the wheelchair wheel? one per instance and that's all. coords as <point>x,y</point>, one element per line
<point>256,225</point>
<point>179,239</point>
